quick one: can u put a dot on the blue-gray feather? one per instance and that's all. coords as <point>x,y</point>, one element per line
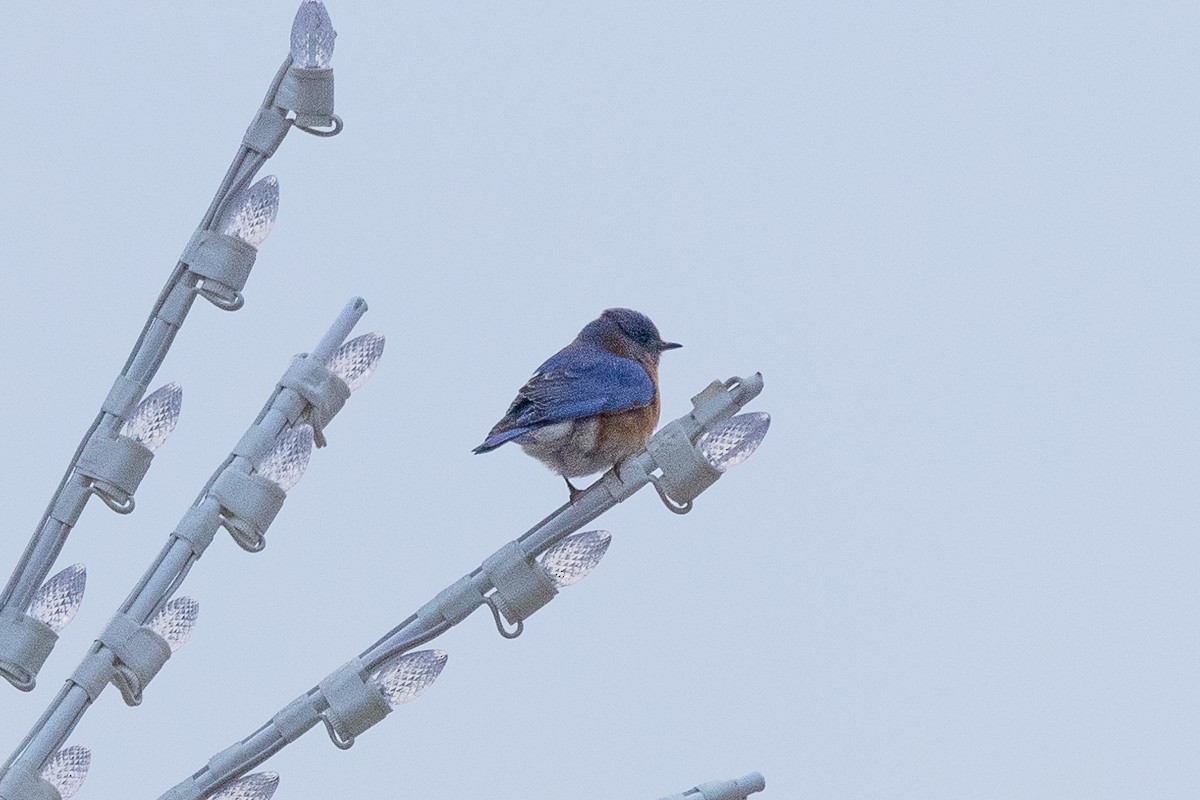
<point>579,381</point>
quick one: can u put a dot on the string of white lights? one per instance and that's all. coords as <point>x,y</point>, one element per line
<point>243,496</point>
<point>681,460</point>
<point>116,452</point>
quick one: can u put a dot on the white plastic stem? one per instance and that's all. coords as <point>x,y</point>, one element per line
<point>340,330</point>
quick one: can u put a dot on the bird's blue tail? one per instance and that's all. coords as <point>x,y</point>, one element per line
<point>498,438</point>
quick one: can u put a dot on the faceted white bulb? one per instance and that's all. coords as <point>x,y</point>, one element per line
<point>256,786</point>
<point>312,36</point>
<point>253,212</point>
<point>67,768</point>
<point>57,601</point>
<point>286,462</point>
<point>154,419</point>
<point>574,557</point>
<point>735,441</point>
<point>355,361</point>
<point>176,621</point>
<point>406,678</point>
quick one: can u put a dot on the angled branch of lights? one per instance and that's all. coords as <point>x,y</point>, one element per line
<point>681,460</point>
<point>117,449</point>
<point>243,496</point>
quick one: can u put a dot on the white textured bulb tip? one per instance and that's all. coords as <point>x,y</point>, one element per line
<point>57,601</point>
<point>574,557</point>
<point>154,419</point>
<point>66,769</point>
<point>405,678</point>
<point>735,440</point>
<point>256,786</point>
<point>176,621</point>
<point>356,360</point>
<point>253,212</point>
<point>312,36</point>
<point>285,464</point>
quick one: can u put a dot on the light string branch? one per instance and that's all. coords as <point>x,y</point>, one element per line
<point>681,460</point>
<point>111,460</point>
<point>244,495</point>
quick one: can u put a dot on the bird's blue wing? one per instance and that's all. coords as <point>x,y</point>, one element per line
<point>576,382</point>
<point>581,381</point>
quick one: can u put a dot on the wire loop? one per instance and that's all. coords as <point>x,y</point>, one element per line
<point>334,131</point>
<point>667,501</point>
<point>120,506</point>
<point>248,540</point>
<point>334,736</point>
<point>223,303</point>
<point>507,634</point>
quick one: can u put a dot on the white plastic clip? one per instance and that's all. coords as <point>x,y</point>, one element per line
<point>115,467</point>
<point>354,704</point>
<point>224,262</point>
<point>25,643</point>
<point>309,94</point>
<point>250,504</point>
<point>685,473</point>
<point>522,587</point>
<point>140,653</point>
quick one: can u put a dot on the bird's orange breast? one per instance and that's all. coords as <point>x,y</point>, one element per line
<point>623,433</point>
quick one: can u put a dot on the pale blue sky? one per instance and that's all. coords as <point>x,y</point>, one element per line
<point>959,241</point>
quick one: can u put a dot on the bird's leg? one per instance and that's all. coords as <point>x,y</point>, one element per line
<point>571,488</point>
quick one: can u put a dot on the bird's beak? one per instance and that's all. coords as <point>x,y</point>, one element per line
<point>668,346</point>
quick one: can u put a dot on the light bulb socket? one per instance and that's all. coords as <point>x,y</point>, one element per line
<point>140,654</point>
<point>266,132</point>
<point>198,526</point>
<point>249,505</point>
<point>685,473</point>
<point>522,587</point>
<point>123,397</point>
<point>224,262</point>
<point>93,674</point>
<point>454,603</point>
<point>308,93</point>
<point>257,441</point>
<point>116,466</point>
<point>296,719</point>
<point>25,644</point>
<point>226,762</point>
<point>324,392</point>
<point>355,704</point>
<point>22,782</point>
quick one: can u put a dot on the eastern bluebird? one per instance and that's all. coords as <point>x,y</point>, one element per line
<point>592,403</point>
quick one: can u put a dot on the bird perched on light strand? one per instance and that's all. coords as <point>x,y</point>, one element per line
<point>592,403</point>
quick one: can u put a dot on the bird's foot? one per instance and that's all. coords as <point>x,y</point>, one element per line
<point>573,491</point>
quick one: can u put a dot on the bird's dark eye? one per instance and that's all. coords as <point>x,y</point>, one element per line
<point>638,328</point>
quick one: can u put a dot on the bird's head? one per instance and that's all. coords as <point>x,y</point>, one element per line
<point>627,332</point>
